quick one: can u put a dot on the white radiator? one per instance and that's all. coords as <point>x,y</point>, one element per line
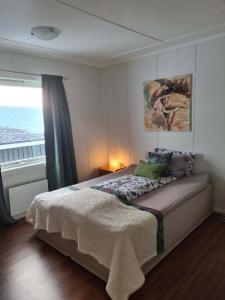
<point>20,197</point>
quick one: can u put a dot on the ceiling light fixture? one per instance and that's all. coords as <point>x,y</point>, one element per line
<point>45,33</point>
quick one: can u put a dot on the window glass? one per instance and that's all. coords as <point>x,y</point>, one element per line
<point>21,123</point>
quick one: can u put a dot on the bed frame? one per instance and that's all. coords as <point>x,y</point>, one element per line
<point>178,224</point>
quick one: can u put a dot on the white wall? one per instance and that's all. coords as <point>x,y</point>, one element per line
<point>124,105</point>
<point>84,99</point>
<point>106,109</point>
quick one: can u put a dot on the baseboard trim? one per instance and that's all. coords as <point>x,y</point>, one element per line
<point>219,210</point>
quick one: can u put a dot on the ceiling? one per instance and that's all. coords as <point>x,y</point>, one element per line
<point>107,31</point>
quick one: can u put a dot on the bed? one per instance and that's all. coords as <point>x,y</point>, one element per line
<point>184,204</point>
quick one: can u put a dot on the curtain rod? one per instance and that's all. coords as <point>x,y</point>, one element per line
<point>25,73</point>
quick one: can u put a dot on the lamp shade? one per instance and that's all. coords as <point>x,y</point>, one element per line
<point>114,161</point>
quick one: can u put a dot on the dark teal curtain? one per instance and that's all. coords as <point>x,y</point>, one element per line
<point>60,158</point>
<point>5,218</point>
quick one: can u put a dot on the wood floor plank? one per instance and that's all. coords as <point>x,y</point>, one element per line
<point>30,269</point>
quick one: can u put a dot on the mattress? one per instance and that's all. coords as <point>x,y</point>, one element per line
<point>184,203</point>
<point>163,199</point>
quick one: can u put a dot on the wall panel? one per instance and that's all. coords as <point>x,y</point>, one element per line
<point>93,116</point>
<point>114,94</point>
<point>209,115</point>
<point>177,62</point>
<point>139,71</point>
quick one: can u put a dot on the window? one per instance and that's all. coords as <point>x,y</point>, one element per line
<point>21,124</point>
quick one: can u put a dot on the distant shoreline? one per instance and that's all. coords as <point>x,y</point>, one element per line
<point>14,135</point>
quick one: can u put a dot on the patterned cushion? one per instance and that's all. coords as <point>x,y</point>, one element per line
<point>181,162</point>
<point>160,158</point>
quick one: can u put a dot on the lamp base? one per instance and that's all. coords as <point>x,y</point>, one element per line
<point>107,169</point>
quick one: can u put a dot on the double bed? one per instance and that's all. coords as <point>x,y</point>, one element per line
<point>184,204</point>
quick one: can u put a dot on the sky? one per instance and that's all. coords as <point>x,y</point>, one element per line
<point>20,96</point>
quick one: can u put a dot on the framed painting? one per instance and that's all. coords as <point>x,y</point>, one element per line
<point>167,104</point>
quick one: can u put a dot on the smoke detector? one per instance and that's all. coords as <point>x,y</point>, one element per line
<point>45,33</point>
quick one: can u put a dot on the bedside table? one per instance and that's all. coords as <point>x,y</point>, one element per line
<point>106,169</point>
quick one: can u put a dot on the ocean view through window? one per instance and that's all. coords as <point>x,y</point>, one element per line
<point>21,123</point>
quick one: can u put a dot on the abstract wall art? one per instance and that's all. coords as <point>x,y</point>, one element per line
<point>167,104</point>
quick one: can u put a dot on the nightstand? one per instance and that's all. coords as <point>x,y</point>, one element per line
<point>106,169</point>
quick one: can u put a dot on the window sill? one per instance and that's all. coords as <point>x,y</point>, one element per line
<point>7,167</point>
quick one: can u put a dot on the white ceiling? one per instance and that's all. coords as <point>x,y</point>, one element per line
<point>88,39</point>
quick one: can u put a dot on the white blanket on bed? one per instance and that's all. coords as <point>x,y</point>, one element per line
<point>119,237</point>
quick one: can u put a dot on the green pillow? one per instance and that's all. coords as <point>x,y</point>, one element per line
<point>152,171</point>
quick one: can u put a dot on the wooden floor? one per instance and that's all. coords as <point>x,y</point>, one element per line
<point>32,270</point>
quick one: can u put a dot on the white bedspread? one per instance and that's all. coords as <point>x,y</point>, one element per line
<point>119,237</point>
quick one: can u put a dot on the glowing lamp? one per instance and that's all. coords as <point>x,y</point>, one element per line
<point>114,164</point>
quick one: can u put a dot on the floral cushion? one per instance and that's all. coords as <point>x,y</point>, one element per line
<point>181,162</point>
<point>160,158</point>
